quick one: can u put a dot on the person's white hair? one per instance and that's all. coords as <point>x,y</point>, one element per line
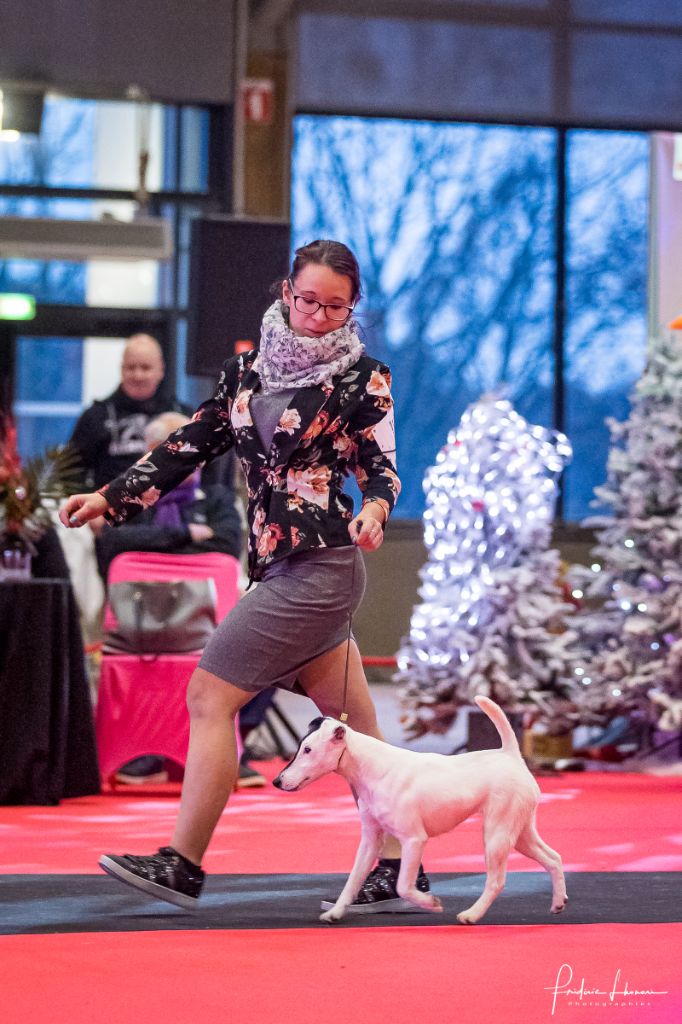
<point>158,429</point>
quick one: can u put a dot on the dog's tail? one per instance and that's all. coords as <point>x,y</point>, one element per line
<point>510,744</point>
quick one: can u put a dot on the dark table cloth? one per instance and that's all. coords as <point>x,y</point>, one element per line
<point>47,739</point>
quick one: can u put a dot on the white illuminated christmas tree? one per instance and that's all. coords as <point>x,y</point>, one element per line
<point>492,617</point>
<point>632,623</point>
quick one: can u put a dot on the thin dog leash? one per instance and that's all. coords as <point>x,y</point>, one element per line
<point>343,717</point>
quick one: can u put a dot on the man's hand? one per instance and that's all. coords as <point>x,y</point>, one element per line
<point>200,532</point>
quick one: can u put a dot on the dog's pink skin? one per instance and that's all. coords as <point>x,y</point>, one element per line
<point>414,796</point>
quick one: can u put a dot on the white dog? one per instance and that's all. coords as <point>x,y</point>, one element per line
<point>414,796</point>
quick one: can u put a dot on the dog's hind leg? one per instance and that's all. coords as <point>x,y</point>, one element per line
<point>531,845</point>
<point>498,844</point>
<point>368,851</point>
<point>410,860</point>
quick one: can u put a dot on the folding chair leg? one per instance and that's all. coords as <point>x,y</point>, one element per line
<point>274,707</point>
<point>279,746</point>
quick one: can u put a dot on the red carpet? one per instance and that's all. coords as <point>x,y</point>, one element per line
<point>451,976</point>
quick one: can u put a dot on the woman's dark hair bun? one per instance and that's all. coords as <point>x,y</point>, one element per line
<point>327,253</point>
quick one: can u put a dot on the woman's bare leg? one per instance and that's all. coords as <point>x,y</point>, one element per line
<point>323,681</point>
<point>211,768</point>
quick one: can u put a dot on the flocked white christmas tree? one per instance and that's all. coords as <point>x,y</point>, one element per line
<point>632,623</point>
<point>492,616</point>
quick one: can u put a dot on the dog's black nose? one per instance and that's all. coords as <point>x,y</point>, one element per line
<point>277,782</point>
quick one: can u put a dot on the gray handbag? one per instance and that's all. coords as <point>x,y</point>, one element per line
<point>161,616</point>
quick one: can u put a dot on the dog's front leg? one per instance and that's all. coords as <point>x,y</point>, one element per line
<point>407,877</point>
<point>368,851</point>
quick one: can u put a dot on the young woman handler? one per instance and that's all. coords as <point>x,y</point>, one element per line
<point>304,411</point>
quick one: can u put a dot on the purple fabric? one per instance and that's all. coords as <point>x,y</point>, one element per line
<point>168,509</point>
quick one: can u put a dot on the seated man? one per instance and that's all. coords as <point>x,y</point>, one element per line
<point>110,434</point>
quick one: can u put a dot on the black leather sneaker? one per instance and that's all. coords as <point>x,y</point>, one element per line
<point>147,770</point>
<point>379,893</point>
<point>165,875</point>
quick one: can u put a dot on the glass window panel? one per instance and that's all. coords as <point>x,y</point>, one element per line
<point>122,132</point>
<point>86,144</point>
<point>635,12</point>
<point>48,369</point>
<point>97,143</point>
<point>54,281</point>
<point>186,214</point>
<point>627,78</point>
<point>379,65</point>
<point>42,428</point>
<point>170,155</point>
<point>606,296</point>
<point>190,389</point>
<point>102,358</point>
<point>453,226</point>
<point>47,392</point>
<point>194,126</point>
<point>123,284</point>
<point>56,379</point>
<point>39,206</point>
<point>63,154</point>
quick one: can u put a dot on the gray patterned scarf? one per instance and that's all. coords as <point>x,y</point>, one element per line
<point>286,360</point>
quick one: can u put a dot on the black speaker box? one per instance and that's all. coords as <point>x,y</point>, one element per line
<point>233,264</point>
<point>482,734</point>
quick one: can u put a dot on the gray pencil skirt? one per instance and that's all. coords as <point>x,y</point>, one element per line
<point>297,612</point>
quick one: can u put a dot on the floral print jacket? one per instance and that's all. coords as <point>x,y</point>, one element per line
<point>295,490</point>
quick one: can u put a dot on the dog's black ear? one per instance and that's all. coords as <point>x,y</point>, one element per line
<point>338,733</point>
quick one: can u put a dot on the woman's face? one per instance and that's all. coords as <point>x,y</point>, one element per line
<point>321,284</point>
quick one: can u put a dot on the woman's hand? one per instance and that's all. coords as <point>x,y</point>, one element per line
<point>366,530</point>
<point>79,509</point>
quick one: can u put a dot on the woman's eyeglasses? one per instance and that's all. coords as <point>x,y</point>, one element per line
<point>332,310</point>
